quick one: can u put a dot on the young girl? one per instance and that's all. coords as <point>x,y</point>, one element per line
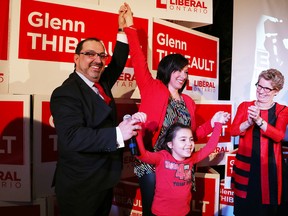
<point>173,167</point>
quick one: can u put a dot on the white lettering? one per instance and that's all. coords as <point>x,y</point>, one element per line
<point>9,140</point>
<point>35,19</point>
<point>54,138</point>
<point>202,64</point>
<point>202,203</point>
<point>166,40</point>
<point>68,44</point>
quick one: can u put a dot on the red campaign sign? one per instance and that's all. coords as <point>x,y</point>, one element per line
<point>4,18</point>
<point>226,196</point>
<point>201,52</point>
<point>12,132</point>
<point>51,32</point>
<point>229,165</point>
<point>205,112</point>
<point>203,200</point>
<point>49,137</point>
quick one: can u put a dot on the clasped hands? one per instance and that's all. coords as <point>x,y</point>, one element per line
<point>125,18</point>
<point>221,117</point>
<point>130,126</point>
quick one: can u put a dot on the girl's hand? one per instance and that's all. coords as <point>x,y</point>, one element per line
<point>140,116</point>
<point>220,116</point>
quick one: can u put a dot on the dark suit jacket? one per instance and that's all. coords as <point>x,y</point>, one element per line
<point>89,161</point>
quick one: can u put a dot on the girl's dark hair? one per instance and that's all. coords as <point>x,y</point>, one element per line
<point>170,64</point>
<point>170,135</point>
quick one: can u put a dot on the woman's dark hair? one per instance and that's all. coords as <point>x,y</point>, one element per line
<point>170,135</point>
<point>170,64</point>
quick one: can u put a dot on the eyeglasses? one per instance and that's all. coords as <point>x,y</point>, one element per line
<point>90,54</point>
<point>265,89</point>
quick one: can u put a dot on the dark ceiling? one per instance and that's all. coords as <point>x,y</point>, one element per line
<point>222,28</point>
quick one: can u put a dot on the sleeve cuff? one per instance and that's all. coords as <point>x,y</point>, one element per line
<point>120,141</point>
<point>122,38</point>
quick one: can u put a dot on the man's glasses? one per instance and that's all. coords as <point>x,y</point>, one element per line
<point>90,54</point>
<point>265,89</point>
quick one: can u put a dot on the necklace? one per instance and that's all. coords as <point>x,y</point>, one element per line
<point>264,107</point>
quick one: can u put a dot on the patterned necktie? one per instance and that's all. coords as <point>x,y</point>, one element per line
<point>106,98</point>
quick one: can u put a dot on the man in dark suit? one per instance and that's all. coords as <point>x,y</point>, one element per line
<point>89,140</point>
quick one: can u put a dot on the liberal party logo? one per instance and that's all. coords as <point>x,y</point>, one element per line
<point>161,4</point>
<point>180,3</point>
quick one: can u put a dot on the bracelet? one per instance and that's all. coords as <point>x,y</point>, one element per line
<point>120,29</point>
<point>262,122</point>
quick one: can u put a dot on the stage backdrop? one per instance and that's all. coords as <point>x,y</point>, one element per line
<point>260,41</point>
<point>45,34</point>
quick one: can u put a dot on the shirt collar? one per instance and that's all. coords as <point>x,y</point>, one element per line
<point>87,81</point>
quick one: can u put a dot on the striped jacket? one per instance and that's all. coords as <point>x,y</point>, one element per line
<point>269,149</point>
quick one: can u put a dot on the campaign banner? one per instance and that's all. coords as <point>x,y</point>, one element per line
<point>204,112</point>
<point>15,170</point>
<point>126,84</point>
<point>200,49</point>
<point>4,20</point>
<point>189,13</point>
<point>226,200</point>
<point>51,32</point>
<point>202,88</point>
<point>44,147</point>
<point>205,201</point>
<point>48,34</point>
<point>229,162</point>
